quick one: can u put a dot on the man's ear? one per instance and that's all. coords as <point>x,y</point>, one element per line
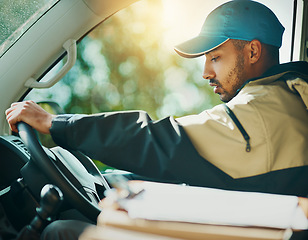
<point>254,51</point>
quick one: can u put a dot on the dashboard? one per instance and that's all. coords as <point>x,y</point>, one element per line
<point>13,156</point>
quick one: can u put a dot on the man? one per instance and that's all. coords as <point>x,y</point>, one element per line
<point>257,141</point>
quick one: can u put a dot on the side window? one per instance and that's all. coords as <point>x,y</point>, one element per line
<point>128,63</point>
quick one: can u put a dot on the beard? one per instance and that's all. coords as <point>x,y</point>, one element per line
<point>236,78</point>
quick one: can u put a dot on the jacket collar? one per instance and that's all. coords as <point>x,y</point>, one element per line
<point>297,69</point>
<point>300,67</point>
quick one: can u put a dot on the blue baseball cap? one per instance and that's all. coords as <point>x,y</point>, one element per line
<point>239,19</point>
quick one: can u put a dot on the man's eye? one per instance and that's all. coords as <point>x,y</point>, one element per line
<point>214,59</point>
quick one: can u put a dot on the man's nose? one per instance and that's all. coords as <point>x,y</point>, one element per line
<point>208,72</point>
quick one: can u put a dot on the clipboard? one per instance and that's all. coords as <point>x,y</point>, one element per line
<point>115,222</point>
<point>122,219</point>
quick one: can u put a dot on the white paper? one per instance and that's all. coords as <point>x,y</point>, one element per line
<point>171,202</point>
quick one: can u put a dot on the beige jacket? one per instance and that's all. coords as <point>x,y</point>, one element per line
<point>274,114</point>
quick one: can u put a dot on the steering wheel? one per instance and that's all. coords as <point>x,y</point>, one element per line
<point>74,173</point>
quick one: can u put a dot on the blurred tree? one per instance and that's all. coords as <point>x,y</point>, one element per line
<point>123,65</point>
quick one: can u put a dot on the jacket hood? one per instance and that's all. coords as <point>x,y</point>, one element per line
<point>295,74</point>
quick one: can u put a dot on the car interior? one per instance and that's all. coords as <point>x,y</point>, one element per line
<point>37,55</point>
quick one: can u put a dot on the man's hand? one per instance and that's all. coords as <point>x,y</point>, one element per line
<point>31,113</point>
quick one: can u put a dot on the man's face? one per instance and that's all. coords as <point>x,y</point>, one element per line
<point>225,69</point>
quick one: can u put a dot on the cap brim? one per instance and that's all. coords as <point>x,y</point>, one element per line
<point>198,46</point>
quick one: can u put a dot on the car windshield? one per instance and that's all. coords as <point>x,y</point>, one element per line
<point>17,16</point>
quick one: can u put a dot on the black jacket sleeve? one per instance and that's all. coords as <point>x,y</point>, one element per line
<point>131,141</point>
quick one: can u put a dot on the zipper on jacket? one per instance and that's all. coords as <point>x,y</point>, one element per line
<point>240,127</point>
